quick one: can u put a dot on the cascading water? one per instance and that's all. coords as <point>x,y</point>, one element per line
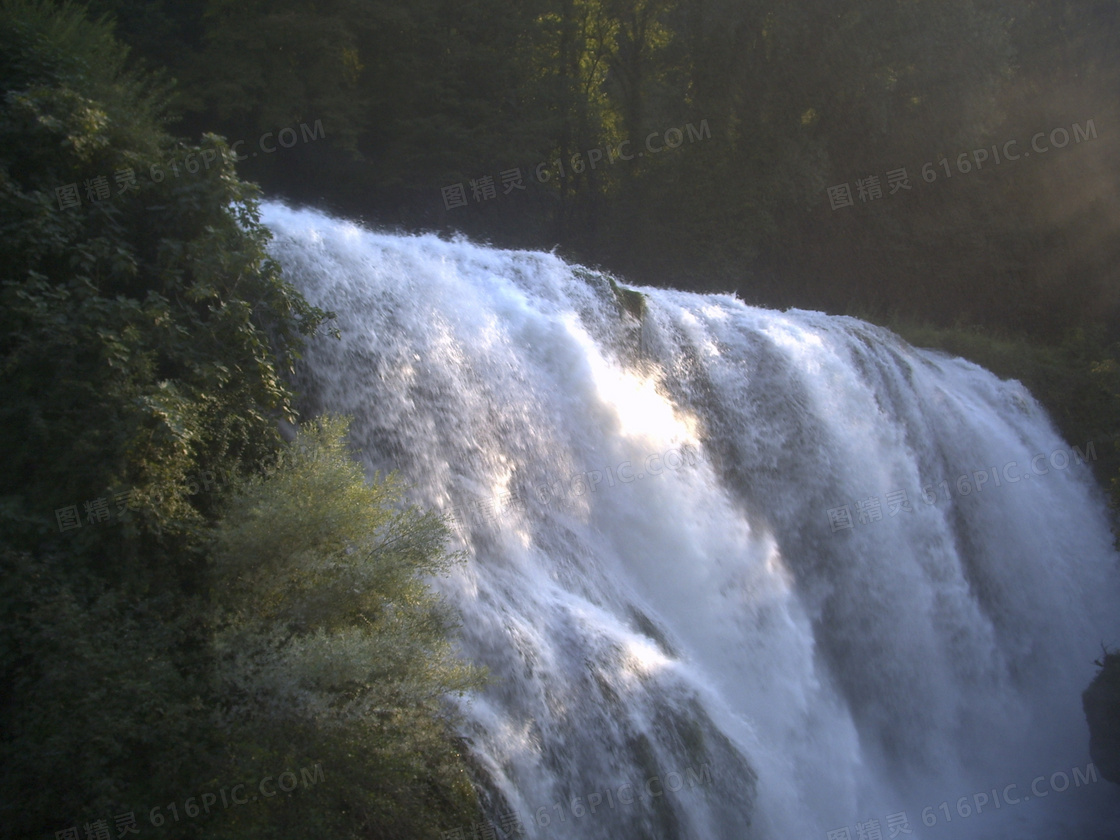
<point>721,562</point>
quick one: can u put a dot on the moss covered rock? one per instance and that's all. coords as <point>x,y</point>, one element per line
<point>630,300</point>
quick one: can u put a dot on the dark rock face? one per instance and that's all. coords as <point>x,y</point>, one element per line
<point>1101,701</point>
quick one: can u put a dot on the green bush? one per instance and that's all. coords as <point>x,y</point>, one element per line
<point>329,639</point>
<point>104,699</point>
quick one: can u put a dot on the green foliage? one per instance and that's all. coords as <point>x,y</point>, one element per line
<point>267,65</point>
<point>103,708</point>
<point>328,634</point>
<point>144,341</point>
<point>309,547</point>
<point>321,642</point>
<point>154,314</point>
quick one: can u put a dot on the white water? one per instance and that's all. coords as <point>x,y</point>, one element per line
<point>705,625</point>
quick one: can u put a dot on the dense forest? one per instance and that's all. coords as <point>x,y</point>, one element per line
<point>787,101</point>
<point>948,169</point>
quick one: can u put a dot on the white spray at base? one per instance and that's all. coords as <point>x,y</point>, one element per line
<point>701,647</point>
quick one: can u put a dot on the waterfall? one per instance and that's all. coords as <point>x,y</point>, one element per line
<point>735,573</point>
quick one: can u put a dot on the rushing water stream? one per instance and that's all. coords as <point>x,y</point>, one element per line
<point>735,573</point>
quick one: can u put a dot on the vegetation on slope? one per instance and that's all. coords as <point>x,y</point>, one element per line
<point>188,605</point>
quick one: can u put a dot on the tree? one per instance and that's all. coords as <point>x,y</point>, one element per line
<point>332,643</point>
<point>143,327</point>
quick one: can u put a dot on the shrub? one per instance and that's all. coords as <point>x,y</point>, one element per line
<point>330,642</point>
